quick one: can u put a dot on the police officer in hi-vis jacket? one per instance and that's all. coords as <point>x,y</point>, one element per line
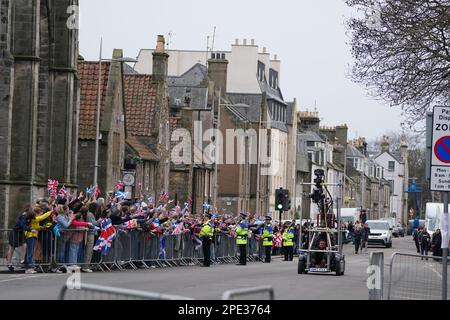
<point>207,235</point>
<point>241,239</point>
<point>267,236</point>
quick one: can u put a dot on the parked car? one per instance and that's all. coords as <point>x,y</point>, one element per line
<point>400,230</point>
<point>392,225</point>
<point>380,233</point>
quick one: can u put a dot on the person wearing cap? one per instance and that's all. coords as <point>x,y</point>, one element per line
<point>206,235</point>
<point>267,237</point>
<point>288,243</point>
<point>241,239</point>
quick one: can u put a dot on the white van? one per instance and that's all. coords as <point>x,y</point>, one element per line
<point>350,215</point>
<point>433,213</point>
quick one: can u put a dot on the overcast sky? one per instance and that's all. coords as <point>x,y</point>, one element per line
<point>308,36</point>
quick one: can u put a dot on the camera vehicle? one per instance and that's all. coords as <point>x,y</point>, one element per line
<point>322,252</point>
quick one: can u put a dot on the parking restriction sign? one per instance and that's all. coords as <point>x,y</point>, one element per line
<point>440,155</point>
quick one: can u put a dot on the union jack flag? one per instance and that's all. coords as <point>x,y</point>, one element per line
<point>163,197</point>
<point>97,192</point>
<point>63,192</point>
<point>120,185</point>
<point>52,185</point>
<point>53,193</point>
<point>107,235</point>
<point>131,224</point>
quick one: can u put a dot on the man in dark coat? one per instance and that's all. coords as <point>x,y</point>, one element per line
<point>436,243</point>
<point>425,242</point>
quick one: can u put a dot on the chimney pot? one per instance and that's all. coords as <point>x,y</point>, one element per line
<point>253,42</point>
<point>245,42</point>
<point>264,50</point>
<point>236,42</point>
<point>275,57</point>
<point>160,44</point>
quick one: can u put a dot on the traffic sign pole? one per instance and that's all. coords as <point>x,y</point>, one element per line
<point>444,254</point>
<point>440,172</point>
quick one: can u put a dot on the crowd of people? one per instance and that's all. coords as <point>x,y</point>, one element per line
<point>425,243</point>
<point>67,218</point>
<point>359,235</point>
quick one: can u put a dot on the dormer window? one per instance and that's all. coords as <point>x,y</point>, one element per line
<point>273,79</point>
<point>261,71</point>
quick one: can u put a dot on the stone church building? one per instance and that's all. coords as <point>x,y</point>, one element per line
<point>38,101</point>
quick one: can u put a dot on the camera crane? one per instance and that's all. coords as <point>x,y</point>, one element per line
<point>322,252</point>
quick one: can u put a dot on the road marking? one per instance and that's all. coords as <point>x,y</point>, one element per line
<point>435,271</point>
<point>24,278</point>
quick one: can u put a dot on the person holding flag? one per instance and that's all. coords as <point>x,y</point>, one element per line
<point>267,236</point>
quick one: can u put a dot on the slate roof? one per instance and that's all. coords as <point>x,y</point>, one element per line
<point>192,83</point>
<point>140,104</point>
<point>351,171</point>
<point>88,73</point>
<point>397,156</point>
<point>289,119</point>
<point>141,149</point>
<point>352,151</point>
<point>310,136</point>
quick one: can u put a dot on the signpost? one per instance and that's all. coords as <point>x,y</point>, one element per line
<point>440,172</point>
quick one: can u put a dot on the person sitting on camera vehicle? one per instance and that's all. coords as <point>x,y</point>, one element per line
<point>320,258</point>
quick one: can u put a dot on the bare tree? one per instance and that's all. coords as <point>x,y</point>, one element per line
<point>403,57</point>
<point>414,141</point>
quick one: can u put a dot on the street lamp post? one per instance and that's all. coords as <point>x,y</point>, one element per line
<point>99,90</point>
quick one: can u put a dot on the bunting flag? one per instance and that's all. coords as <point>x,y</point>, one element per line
<point>107,235</point>
<point>62,192</point>
<point>120,185</point>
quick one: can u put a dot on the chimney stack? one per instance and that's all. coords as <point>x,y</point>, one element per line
<point>160,60</point>
<point>236,42</point>
<point>253,42</point>
<point>245,42</point>
<point>385,144</point>
<point>217,72</point>
<point>264,50</point>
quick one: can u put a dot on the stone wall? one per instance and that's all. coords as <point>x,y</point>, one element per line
<point>38,104</point>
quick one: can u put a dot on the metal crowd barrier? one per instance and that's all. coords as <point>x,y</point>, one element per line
<point>86,291</point>
<point>130,249</point>
<point>267,292</point>
<point>415,277</point>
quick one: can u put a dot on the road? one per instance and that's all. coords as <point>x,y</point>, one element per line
<point>210,283</point>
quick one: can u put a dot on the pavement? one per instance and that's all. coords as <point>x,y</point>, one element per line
<point>210,283</point>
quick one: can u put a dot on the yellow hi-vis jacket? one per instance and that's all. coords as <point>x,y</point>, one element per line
<point>288,236</point>
<point>207,230</point>
<point>241,235</point>
<point>267,236</point>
